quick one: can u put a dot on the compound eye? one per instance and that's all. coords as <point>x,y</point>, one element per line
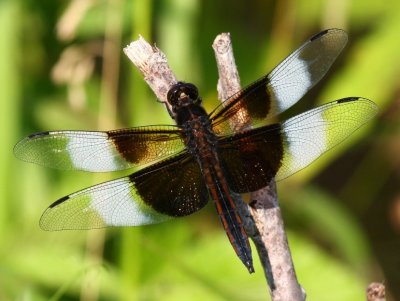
<point>174,94</point>
<point>191,91</point>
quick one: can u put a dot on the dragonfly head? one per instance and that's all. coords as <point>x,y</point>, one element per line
<point>182,95</point>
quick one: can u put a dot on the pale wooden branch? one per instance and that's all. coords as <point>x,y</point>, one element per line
<point>376,292</point>
<point>153,64</point>
<point>264,224</point>
<point>262,220</point>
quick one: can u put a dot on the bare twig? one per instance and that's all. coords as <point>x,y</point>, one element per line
<point>264,225</point>
<point>376,292</point>
<point>154,67</point>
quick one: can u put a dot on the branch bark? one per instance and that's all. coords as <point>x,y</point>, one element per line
<point>264,224</point>
<point>262,219</point>
<point>376,292</point>
<point>153,64</point>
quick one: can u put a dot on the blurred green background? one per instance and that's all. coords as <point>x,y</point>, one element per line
<point>62,67</point>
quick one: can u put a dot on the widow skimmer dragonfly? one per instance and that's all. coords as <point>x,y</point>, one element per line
<point>203,155</point>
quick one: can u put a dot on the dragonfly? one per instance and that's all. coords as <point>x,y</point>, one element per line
<point>237,148</point>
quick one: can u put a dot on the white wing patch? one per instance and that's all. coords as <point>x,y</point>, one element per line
<point>117,207</point>
<point>289,81</point>
<point>312,133</point>
<point>100,155</point>
<point>113,203</point>
<point>306,140</point>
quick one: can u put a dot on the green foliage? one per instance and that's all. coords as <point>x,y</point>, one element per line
<point>187,259</point>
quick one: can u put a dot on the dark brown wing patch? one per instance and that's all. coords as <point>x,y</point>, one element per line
<point>145,144</point>
<point>250,159</point>
<point>174,187</point>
